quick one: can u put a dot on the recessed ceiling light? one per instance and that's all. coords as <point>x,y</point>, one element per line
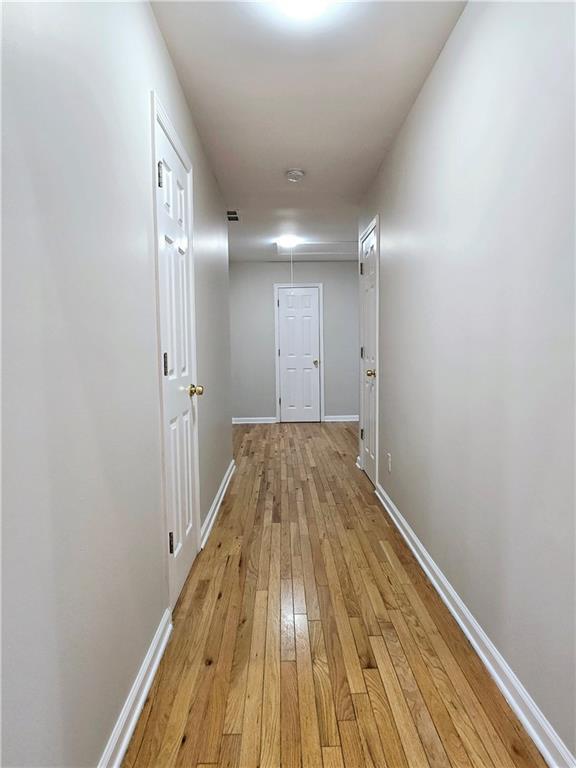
<point>295,175</point>
<point>303,9</point>
<point>288,241</point>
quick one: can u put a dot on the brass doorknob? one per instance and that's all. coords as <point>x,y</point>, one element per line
<point>371,373</point>
<point>195,389</point>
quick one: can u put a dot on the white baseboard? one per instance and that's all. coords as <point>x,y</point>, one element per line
<point>553,749</point>
<point>273,419</point>
<point>341,418</point>
<point>213,511</point>
<point>254,420</point>
<point>122,733</point>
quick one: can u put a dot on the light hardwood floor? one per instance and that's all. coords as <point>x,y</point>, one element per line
<point>307,634</point>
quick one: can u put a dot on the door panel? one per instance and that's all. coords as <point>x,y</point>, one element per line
<point>187,464</point>
<point>369,320</point>
<point>174,499</point>
<point>178,354</point>
<point>299,345</point>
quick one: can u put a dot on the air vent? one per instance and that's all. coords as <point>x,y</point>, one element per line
<point>232,216</point>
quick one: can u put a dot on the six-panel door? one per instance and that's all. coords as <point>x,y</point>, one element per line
<point>299,347</point>
<point>178,360</point>
<point>369,391</point>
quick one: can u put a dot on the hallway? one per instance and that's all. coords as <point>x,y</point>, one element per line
<point>307,634</point>
<point>289,396</point>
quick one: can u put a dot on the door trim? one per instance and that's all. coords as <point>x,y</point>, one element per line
<point>161,121</point>
<point>373,226</point>
<point>320,287</point>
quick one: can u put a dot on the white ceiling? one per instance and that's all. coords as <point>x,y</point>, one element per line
<point>270,93</point>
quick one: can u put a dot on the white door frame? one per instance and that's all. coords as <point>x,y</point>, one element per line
<point>160,120</point>
<point>374,225</point>
<point>277,286</point>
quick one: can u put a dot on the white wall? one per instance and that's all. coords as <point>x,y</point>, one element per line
<point>476,200</point>
<point>84,554</point>
<point>252,337</point>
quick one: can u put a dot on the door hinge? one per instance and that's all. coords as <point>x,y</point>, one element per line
<point>361,265</point>
<point>165,360</point>
<point>362,434</point>
<point>160,174</point>
<point>362,352</point>
<point>279,401</point>
<point>277,302</point>
<point>278,353</point>
<point>171,542</point>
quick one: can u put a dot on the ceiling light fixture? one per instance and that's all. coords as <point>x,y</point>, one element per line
<point>289,241</point>
<point>303,9</point>
<point>295,175</point>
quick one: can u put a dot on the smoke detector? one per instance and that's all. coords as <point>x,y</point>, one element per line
<point>295,175</point>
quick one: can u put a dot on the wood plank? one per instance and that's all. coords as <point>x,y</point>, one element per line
<point>389,737</point>
<point>369,736</point>
<point>287,646</point>
<point>329,735</point>
<point>312,607</point>
<point>309,730</point>
<point>252,725</point>
<point>291,753</point>
<point>239,673</point>
<point>433,746</point>
<point>212,733</point>
<point>351,744</point>
<point>193,739</point>
<point>332,757</point>
<point>351,661</point>
<point>485,727</point>
<point>433,702</point>
<point>307,635</point>
<point>178,713</point>
<point>340,688</point>
<point>405,725</point>
<point>270,748</point>
<point>298,593</point>
<point>363,647</point>
<point>458,712</point>
<point>362,597</point>
<point>230,751</point>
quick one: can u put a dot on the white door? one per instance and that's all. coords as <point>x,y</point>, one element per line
<point>299,353</point>
<point>369,365</point>
<point>178,355</point>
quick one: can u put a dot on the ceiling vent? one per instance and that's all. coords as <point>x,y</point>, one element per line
<point>232,216</point>
<point>295,175</point>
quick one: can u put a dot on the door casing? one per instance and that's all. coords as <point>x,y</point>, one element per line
<point>373,226</point>
<point>161,121</point>
<point>277,287</point>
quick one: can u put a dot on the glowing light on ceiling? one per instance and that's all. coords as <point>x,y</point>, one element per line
<point>288,241</point>
<point>303,9</point>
